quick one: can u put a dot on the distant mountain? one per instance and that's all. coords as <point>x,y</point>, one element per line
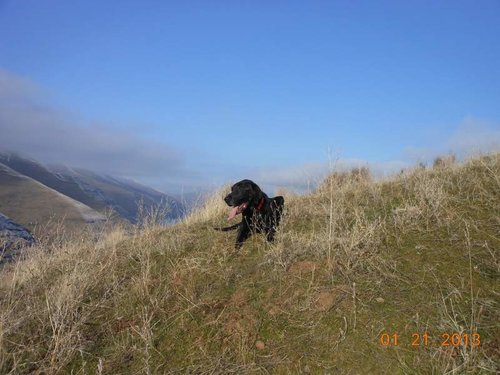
<point>92,189</point>
<point>121,194</point>
<point>32,203</point>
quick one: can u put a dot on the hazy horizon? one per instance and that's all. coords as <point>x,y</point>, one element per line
<point>187,97</point>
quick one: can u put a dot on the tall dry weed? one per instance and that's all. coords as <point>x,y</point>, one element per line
<point>55,289</point>
<point>213,207</point>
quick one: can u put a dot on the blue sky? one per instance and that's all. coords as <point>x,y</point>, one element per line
<point>223,90</point>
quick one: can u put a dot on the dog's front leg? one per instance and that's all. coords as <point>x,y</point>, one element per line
<point>243,234</point>
<point>270,234</point>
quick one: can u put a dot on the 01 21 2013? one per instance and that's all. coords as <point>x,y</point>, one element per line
<point>424,339</point>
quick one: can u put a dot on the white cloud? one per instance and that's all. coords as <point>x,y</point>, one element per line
<point>305,177</point>
<point>475,136</point>
<point>14,87</point>
<point>31,127</point>
<point>28,125</point>
<point>472,137</point>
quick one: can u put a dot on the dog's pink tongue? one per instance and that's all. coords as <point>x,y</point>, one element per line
<point>237,210</point>
<point>233,213</point>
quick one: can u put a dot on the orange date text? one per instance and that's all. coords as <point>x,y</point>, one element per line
<point>418,339</point>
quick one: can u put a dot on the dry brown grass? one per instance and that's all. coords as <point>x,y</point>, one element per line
<point>213,207</point>
<point>355,258</point>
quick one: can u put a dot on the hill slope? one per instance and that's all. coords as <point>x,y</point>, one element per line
<point>355,263</point>
<point>96,191</point>
<point>121,194</point>
<point>33,204</point>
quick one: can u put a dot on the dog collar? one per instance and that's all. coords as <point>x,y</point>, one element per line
<point>261,204</point>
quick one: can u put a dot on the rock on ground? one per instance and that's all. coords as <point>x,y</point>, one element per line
<point>13,237</point>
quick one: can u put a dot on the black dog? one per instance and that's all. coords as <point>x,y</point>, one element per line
<point>260,213</point>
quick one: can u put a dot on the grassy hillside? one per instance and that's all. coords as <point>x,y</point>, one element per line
<point>354,260</point>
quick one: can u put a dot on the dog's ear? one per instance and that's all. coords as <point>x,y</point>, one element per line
<point>280,201</point>
<point>257,194</point>
<point>255,187</point>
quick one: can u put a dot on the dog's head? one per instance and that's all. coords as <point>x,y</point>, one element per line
<point>244,194</point>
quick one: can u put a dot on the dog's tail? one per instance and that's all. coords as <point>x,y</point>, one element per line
<point>226,229</point>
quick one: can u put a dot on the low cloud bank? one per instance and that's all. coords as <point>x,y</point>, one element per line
<point>30,126</point>
<point>304,178</point>
<point>472,137</point>
<point>33,128</point>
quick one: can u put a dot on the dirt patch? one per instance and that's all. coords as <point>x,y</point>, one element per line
<point>239,297</point>
<point>240,325</point>
<point>326,299</point>
<point>213,307</point>
<point>239,320</point>
<point>269,293</point>
<point>303,267</point>
<point>259,345</point>
<point>274,310</point>
<point>122,324</point>
<point>180,278</point>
